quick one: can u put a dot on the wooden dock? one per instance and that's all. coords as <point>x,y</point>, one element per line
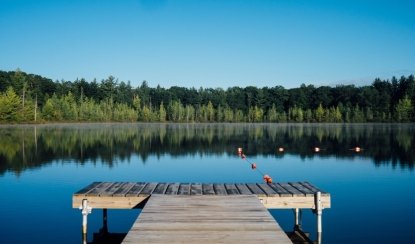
<point>206,213</point>
<point>205,219</point>
<point>127,195</point>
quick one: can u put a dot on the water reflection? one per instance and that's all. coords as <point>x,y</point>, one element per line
<point>25,147</point>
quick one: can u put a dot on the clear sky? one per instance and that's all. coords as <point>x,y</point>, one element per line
<point>212,43</point>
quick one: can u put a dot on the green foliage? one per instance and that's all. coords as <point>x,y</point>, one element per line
<point>255,114</point>
<point>308,116</point>
<point>122,112</point>
<point>357,115</point>
<point>190,113</point>
<point>404,110</point>
<point>24,95</point>
<point>336,115</point>
<point>296,114</point>
<point>162,113</point>
<point>228,115</point>
<point>69,107</point>
<point>147,114</point>
<point>272,114</point>
<point>319,113</point>
<point>10,105</point>
<point>210,112</point>
<point>176,111</point>
<point>49,110</point>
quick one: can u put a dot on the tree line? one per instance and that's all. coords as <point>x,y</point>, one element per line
<point>29,98</point>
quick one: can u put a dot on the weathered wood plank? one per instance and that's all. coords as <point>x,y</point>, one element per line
<point>243,189</point>
<point>255,189</point>
<point>219,189</point>
<point>222,219</point>
<point>196,189</point>
<point>135,190</point>
<point>109,202</point>
<point>126,187</point>
<point>160,188</point>
<point>99,188</point>
<point>291,189</point>
<point>280,190</point>
<point>184,189</point>
<point>294,202</point>
<point>314,189</point>
<point>207,189</point>
<point>267,189</point>
<point>86,189</point>
<point>302,188</point>
<point>112,189</point>
<point>231,189</point>
<point>148,189</point>
<point>172,189</point>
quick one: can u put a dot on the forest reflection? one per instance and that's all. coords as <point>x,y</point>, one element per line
<point>30,146</point>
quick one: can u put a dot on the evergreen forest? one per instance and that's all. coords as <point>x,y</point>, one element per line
<point>31,98</point>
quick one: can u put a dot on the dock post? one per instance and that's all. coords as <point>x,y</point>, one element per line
<point>319,212</point>
<point>85,211</point>
<point>297,218</point>
<point>105,220</point>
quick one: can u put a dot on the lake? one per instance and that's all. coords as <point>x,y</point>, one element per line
<point>372,191</point>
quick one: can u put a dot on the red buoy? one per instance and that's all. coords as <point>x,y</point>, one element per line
<point>267,179</point>
<point>316,149</point>
<point>243,156</point>
<point>253,165</point>
<point>357,149</point>
<point>239,150</point>
<point>280,149</point>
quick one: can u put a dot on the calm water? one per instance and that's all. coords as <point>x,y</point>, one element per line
<point>373,192</point>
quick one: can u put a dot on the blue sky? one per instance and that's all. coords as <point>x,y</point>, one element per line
<point>216,43</point>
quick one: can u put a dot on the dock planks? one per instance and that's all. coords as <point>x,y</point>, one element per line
<point>205,219</point>
<point>124,195</point>
<point>203,213</point>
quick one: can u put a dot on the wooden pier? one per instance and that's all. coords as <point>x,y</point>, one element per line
<point>206,213</point>
<point>205,219</point>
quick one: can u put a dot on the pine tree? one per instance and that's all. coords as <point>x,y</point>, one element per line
<point>162,113</point>
<point>404,110</point>
<point>272,114</point>
<point>319,113</point>
<point>10,106</point>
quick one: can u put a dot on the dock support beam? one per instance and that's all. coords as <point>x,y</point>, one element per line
<point>85,210</point>
<point>104,221</point>
<point>319,212</point>
<point>297,218</point>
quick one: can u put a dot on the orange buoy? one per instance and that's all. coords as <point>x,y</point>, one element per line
<point>280,149</point>
<point>316,149</point>
<point>253,165</point>
<point>243,156</point>
<point>267,179</point>
<point>239,150</point>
